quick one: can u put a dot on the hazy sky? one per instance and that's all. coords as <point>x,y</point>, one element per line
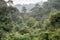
<point>26,1</point>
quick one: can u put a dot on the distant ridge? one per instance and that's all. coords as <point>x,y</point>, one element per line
<point>28,6</point>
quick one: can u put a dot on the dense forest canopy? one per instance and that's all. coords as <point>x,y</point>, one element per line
<point>42,22</point>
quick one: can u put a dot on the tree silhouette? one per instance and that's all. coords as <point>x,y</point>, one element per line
<point>10,2</point>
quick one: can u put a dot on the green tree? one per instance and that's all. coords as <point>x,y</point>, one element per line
<point>55,3</point>
<point>5,19</point>
<point>53,20</point>
<point>36,8</point>
<point>31,22</point>
<point>24,10</point>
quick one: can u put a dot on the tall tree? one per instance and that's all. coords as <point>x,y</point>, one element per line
<point>53,21</point>
<point>55,3</point>
<point>24,10</point>
<point>36,8</point>
<point>10,2</point>
<point>5,17</point>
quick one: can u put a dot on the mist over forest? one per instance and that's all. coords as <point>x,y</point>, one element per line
<point>39,21</point>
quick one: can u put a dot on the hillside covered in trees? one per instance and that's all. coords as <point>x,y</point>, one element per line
<point>42,22</point>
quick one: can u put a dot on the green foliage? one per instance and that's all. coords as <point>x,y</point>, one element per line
<point>5,17</point>
<point>53,20</point>
<point>40,23</point>
<point>55,3</point>
<point>16,36</point>
<point>31,22</point>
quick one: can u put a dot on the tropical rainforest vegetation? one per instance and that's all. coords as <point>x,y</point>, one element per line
<point>40,23</point>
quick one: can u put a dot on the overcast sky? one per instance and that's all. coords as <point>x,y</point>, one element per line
<point>26,1</point>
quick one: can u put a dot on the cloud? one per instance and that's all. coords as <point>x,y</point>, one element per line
<point>26,1</point>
